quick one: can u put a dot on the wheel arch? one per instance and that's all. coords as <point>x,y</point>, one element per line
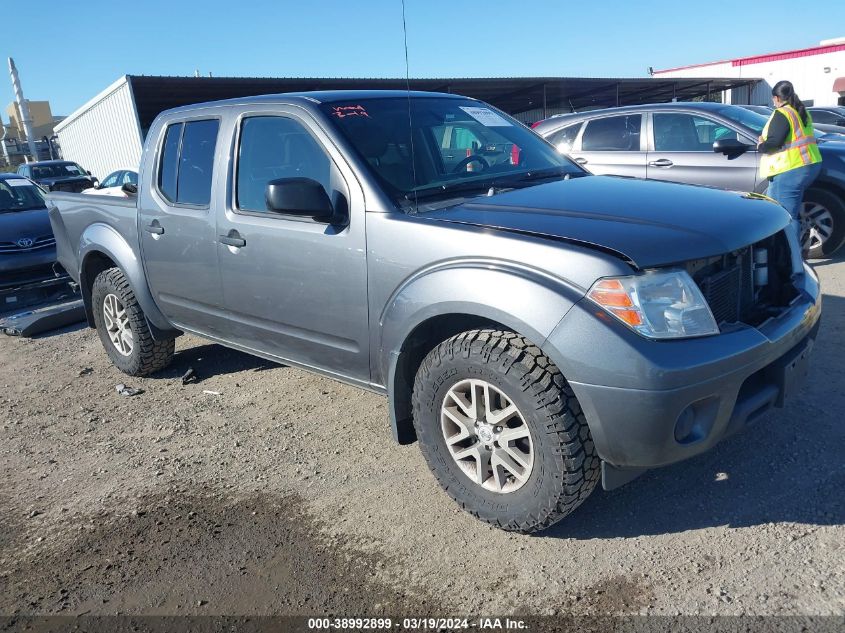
<point>426,312</point>
<point>103,248</point>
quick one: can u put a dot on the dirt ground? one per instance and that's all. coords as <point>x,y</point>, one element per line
<point>283,493</point>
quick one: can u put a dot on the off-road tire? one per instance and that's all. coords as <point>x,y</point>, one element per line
<point>566,467</point>
<point>148,355</point>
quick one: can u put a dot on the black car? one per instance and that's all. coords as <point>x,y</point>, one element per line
<point>831,115</point>
<point>28,269</point>
<point>58,175</point>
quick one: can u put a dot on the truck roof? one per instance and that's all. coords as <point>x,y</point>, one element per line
<point>321,96</point>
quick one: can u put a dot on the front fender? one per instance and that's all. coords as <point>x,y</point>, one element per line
<point>99,240</point>
<point>523,299</point>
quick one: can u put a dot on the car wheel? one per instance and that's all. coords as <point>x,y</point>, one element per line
<point>502,430</point>
<point>123,329</point>
<point>822,223</point>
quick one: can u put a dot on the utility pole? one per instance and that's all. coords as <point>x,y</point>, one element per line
<point>23,108</point>
<point>3,143</point>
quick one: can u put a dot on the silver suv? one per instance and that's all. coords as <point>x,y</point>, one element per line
<point>698,143</point>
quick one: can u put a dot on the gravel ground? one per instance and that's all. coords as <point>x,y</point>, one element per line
<point>283,493</point>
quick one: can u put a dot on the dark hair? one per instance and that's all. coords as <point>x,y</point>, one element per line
<point>785,91</point>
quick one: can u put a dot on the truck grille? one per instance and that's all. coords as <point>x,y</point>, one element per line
<point>727,282</point>
<point>722,292</point>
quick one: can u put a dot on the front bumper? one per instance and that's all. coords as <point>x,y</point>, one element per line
<point>18,268</point>
<point>639,394</point>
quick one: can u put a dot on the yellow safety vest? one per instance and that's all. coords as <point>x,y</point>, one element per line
<point>799,150</point>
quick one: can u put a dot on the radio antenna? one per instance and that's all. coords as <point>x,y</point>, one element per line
<point>410,118</point>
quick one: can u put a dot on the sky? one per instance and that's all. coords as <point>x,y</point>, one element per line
<point>69,52</point>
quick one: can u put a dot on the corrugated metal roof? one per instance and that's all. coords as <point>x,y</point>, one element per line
<point>154,94</point>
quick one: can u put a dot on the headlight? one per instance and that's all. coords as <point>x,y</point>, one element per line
<point>665,304</point>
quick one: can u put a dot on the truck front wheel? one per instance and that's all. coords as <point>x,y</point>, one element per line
<point>123,329</point>
<point>502,430</point>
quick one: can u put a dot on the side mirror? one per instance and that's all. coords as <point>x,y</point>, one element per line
<point>730,146</point>
<point>88,172</point>
<point>129,189</point>
<point>299,196</point>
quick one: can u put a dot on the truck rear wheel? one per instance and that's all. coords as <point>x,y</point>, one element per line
<point>502,430</point>
<point>123,329</point>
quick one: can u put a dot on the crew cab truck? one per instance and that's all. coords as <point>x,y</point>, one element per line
<point>535,327</point>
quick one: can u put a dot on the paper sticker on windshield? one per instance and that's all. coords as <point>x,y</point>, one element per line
<point>18,182</point>
<point>71,169</point>
<point>485,116</point>
<point>341,112</point>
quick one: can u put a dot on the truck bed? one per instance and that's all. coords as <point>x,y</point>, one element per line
<point>72,214</point>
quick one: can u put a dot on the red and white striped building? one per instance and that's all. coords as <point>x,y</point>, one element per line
<point>818,74</point>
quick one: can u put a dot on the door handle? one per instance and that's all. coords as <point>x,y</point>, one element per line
<point>233,240</point>
<point>662,162</point>
<point>580,161</point>
<point>155,229</point>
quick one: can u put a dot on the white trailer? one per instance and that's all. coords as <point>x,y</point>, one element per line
<point>104,135</point>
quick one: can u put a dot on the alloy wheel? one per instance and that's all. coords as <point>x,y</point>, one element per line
<point>487,436</point>
<point>116,321</point>
<point>816,225</point>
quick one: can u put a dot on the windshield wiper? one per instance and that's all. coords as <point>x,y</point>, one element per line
<point>504,182</point>
<point>437,191</point>
<point>542,174</point>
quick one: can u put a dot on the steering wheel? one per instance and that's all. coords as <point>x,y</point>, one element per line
<point>474,158</point>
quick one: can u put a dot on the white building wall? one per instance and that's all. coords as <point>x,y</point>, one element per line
<point>812,76</point>
<point>103,135</point>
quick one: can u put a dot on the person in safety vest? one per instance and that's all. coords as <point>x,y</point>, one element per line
<point>789,156</point>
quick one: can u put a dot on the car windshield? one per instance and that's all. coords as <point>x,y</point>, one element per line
<point>744,117</point>
<point>452,147</point>
<point>61,170</point>
<point>18,194</point>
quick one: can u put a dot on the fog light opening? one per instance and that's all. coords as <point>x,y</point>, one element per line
<point>687,430</point>
<point>696,421</point>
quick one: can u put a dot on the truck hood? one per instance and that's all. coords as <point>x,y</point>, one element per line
<point>30,224</point>
<point>647,222</point>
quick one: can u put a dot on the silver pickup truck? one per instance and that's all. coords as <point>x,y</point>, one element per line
<point>535,327</point>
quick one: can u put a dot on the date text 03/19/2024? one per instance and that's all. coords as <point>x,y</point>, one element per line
<point>412,624</point>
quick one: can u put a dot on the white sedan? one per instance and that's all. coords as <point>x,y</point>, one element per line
<point>113,183</point>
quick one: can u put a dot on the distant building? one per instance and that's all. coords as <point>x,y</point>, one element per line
<point>43,121</point>
<point>818,74</point>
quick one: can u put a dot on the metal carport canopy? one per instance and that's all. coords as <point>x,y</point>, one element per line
<point>511,94</point>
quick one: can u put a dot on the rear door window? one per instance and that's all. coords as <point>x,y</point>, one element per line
<point>196,162</point>
<point>187,162</point>
<point>615,133</point>
<point>168,169</point>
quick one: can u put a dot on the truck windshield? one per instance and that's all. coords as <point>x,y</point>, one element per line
<point>18,194</point>
<point>62,170</point>
<point>428,147</point>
